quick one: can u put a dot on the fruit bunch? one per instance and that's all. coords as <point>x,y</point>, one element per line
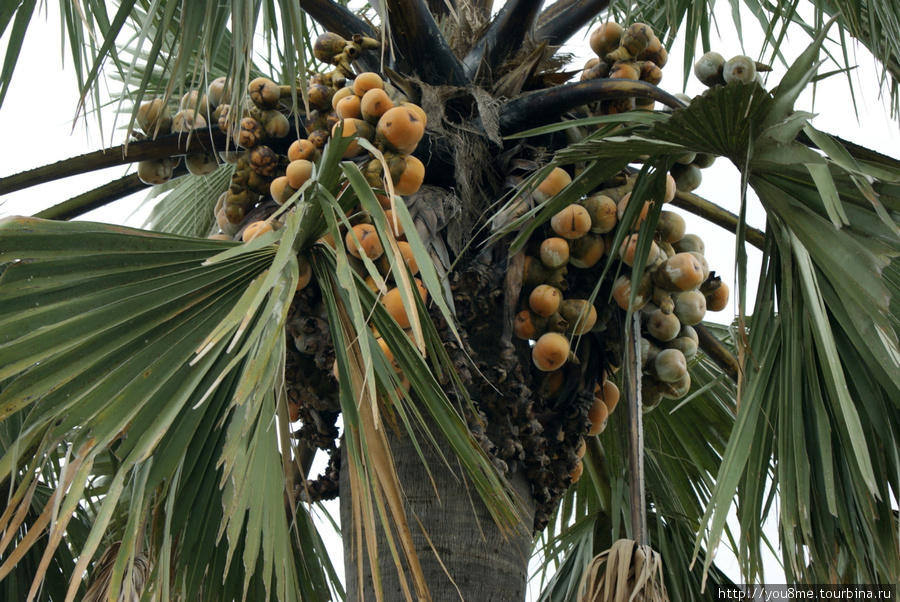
<point>635,53</point>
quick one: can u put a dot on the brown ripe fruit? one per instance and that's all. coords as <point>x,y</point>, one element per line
<point>400,129</point>
<point>374,104</point>
<point>603,211</point>
<point>264,93</point>
<point>528,325</point>
<point>606,38</point>
<point>251,133</point>
<point>670,227</point>
<point>153,117</point>
<point>669,365</point>
<point>365,82</point>
<point>625,70</point>
<point>155,171</point>
<point>681,272</point>
<point>598,415</point>
<point>255,230</point>
<point>412,177</point>
<point>649,350</point>
<point>579,314</point>
<point>298,172</point>
<point>679,388</point>
<point>554,252</point>
<point>263,160</point>
<point>349,107</point>
<point>586,251</point>
<point>718,299</point>
<point>186,120</point>
<point>550,351</point>
<point>201,164</point>
<point>544,300</point>
<point>558,179</point>
<point>301,149</point>
<point>368,245</point>
<point>275,124</point>
<point>572,222</point>
<point>320,97</point>
<point>690,307</point>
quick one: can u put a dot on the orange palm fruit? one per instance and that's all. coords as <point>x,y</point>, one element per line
<point>365,82</point>
<point>406,251</point>
<point>356,127</point>
<point>552,384</point>
<point>576,473</point>
<point>393,302</point>
<point>586,251</point>
<point>544,300</point>
<point>603,211</point>
<point>555,181</point>
<point>339,95</point>
<point>572,222</point>
<point>306,272</point>
<point>349,107</point>
<point>620,211</point>
<point>609,393</point>
<point>400,129</point>
<point>630,246</point>
<point>606,38</point>
<point>419,111</point>
<point>368,245</point>
<point>718,299</point>
<point>393,223</point>
<point>374,104</point>
<point>622,292</point>
<point>625,70</point>
<point>298,172</point>
<point>554,252</point>
<point>412,177</point>
<point>598,415</point>
<point>529,325</point>
<point>281,190</point>
<point>550,351</point>
<point>301,149</point>
<point>681,272</point>
<point>670,227</point>
<point>255,230</point>
<point>384,200</point>
<point>388,354</point>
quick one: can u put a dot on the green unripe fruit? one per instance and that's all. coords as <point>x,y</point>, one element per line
<point>709,68</point>
<point>739,69</point>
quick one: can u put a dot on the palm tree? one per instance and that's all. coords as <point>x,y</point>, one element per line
<point>148,377</point>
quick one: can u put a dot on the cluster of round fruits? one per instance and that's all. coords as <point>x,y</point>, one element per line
<point>675,291</point>
<point>635,53</point>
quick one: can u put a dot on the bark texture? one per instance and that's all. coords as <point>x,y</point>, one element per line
<point>485,564</point>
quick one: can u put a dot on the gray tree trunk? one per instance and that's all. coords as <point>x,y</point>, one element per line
<point>485,565</point>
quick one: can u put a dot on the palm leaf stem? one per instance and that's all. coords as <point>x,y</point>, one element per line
<point>717,352</point>
<point>632,386</point>
<point>99,197</point>
<point>502,39</point>
<point>170,145</point>
<point>420,45</point>
<point>717,215</point>
<point>564,18</point>
<point>546,106</point>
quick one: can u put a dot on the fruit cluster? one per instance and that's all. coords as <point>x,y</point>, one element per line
<point>635,53</point>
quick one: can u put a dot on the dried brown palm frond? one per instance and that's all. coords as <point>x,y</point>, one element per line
<point>631,572</point>
<point>102,577</point>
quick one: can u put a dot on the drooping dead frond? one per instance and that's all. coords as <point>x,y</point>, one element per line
<point>631,572</point>
<point>102,577</point>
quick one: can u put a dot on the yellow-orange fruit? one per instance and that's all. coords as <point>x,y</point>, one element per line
<point>620,211</point>
<point>306,272</point>
<point>388,354</point>
<point>393,223</point>
<point>704,265</point>
<point>298,172</point>
<point>384,200</point>
<point>575,475</point>
<point>255,229</point>
<point>681,272</point>
<point>400,129</point>
<point>328,239</point>
<point>578,312</point>
<point>365,82</point>
<point>419,111</point>
<point>630,246</point>
<point>529,325</point>
<point>622,293</point>
<point>264,93</point>
<point>572,222</point>
<point>374,104</point>
<point>353,127</point>
<point>544,300</point>
<point>349,107</point>
<point>602,210</point>
<point>550,351</point>
<point>586,251</point>
<point>393,302</point>
<point>339,95</point>
<point>406,251</point>
<point>552,185</point>
<point>670,188</point>
<point>625,70</point>
<point>554,252</point>
<point>718,299</point>
<point>610,395</point>
<point>301,149</point>
<point>606,38</point>
<point>598,415</point>
<point>369,244</point>
<point>281,190</point>
<point>412,177</point>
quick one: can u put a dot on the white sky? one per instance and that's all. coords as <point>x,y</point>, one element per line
<point>37,113</point>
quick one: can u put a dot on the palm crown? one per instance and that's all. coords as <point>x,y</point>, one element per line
<point>162,395</point>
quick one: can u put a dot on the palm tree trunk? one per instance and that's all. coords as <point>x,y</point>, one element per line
<point>484,564</point>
